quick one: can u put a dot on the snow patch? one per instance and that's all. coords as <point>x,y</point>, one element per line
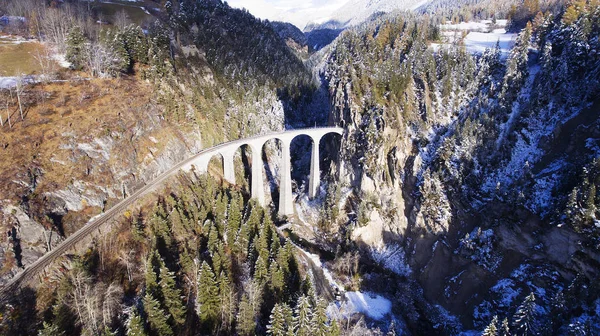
<point>61,59</point>
<point>477,42</point>
<point>373,305</point>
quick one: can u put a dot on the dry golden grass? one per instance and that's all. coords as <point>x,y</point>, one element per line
<point>16,59</point>
<point>44,150</point>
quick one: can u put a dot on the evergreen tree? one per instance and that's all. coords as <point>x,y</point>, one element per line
<point>208,296</point>
<point>277,279</point>
<point>135,325</point>
<point>172,296</point>
<point>524,318</point>
<point>249,308</point>
<point>136,43</point>
<point>157,317</point>
<point>50,329</point>
<point>288,314</point>
<point>319,319</point>
<point>492,328</point>
<point>334,329</point>
<point>234,219</point>
<point>260,269</point>
<point>505,328</point>
<point>303,316</point>
<point>76,47</point>
<point>213,238</point>
<point>277,321</point>
<point>246,322</point>
<point>151,275</point>
<point>220,212</point>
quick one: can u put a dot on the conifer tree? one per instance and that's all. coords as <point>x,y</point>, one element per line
<point>319,319</point>
<point>242,241</point>
<point>50,329</point>
<point>492,328</point>
<point>213,238</point>
<point>208,296</point>
<point>172,296</point>
<point>277,278</point>
<point>505,328</point>
<point>177,224</point>
<point>524,318</point>
<point>288,314</point>
<point>246,322</point>
<point>234,219</point>
<point>76,45</point>
<point>249,308</point>
<point>157,317</point>
<point>137,43</point>
<point>517,68</point>
<point>220,212</point>
<point>303,316</point>
<point>135,325</point>
<point>277,322</point>
<point>151,275</point>
<point>334,328</point>
<point>260,269</point>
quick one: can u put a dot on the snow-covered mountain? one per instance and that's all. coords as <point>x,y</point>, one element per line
<point>357,11</point>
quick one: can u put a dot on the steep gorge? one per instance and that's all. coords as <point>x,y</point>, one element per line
<point>467,162</point>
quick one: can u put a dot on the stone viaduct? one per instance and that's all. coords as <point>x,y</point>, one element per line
<point>227,151</point>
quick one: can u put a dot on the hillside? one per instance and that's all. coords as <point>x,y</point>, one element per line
<point>355,12</point>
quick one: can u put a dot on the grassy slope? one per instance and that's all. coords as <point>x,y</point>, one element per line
<point>19,58</point>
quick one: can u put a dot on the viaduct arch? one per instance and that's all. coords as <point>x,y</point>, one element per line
<point>256,143</point>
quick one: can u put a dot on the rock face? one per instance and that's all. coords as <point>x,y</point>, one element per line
<point>292,36</point>
<point>26,240</point>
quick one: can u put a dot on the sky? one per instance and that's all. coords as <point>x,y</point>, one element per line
<point>297,12</point>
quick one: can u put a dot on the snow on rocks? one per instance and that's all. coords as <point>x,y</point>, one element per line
<point>392,258</point>
<point>372,305</point>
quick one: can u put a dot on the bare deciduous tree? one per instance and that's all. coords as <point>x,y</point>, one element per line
<point>19,89</point>
<point>121,19</point>
<point>96,305</point>
<point>47,65</point>
<point>127,259</point>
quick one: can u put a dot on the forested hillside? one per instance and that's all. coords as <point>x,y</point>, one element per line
<point>479,169</point>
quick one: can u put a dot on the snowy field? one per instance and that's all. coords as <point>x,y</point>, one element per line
<point>477,42</point>
<point>481,26</point>
<point>478,36</point>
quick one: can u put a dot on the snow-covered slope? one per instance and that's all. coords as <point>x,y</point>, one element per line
<point>355,12</point>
